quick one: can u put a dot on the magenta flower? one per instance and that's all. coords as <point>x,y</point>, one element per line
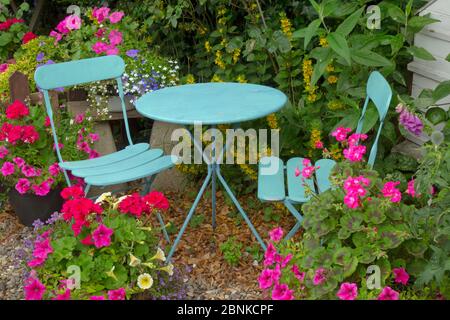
<point>102,236</point>
<point>276,234</point>
<point>42,189</point>
<point>348,291</point>
<point>73,22</point>
<point>56,35</point>
<point>99,47</point>
<point>23,185</point>
<point>79,118</point>
<point>401,276</point>
<point>341,133</point>
<point>115,37</point>
<point>19,162</point>
<point>112,50</point>
<point>100,13</point>
<point>118,294</point>
<point>3,152</point>
<point>299,275</point>
<point>355,137</point>
<point>411,189</point>
<point>319,276</point>
<point>63,296</point>
<point>297,172</point>
<point>116,17</point>
<point>97,298</point>
<point>269,255</point>
<point>34,290</point>
<point>351,200</point>
<point>29,171</point>
<point>7,169</point>
<point>3,67</point>
<point>388,294</point>
<point>390,191</point>
<point>282,292</point>
<point>355,153</point>
<point>54,169</point>
<point>94,137</point>
<point>265,279</point>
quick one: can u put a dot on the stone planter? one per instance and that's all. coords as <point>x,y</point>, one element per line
<point>29,207</point>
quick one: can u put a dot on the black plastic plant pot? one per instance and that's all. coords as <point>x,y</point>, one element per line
<point>30,207</point>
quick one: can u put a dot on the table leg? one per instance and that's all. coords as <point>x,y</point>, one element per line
<point>238,206</point>
<point>190,214</point>
<point>213,195</point>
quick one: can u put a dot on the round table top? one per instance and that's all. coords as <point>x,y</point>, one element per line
<point>211,103</point>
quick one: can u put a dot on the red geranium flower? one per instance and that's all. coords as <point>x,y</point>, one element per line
<point>17,110</point>
<point>157,200</point>
<point>27,37</point>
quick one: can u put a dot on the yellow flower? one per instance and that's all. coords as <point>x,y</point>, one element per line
<point>190,79</point>
<point>168,269</point>
<point>330,68</point>
<point>216,78</point>
<point>207,46</point>
<point>307,69</point>
<point>223,43</point>
<point>323,42</point>
<point>332,79</point>
<point>145,281</point>
<point>111,274</point>
<point>218,60</point>
<point>334,105</point>
<point>134,262</point>
<point>249,171</point>
<point>159,255</point>
<point>241,79</point>
<point>236,55</point>
<point>315,138</point>
<point>272,121</point>
<point>103,197</point>
<point>336,152</point>
<point>149,265</point>
<point>286,25</point>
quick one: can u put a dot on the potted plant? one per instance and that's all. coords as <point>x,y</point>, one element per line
<point>107,249</point>
<point>28,164</point>
<point>102,32</point>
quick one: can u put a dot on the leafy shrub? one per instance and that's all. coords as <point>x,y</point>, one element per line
<point>361,221</point>
<point>13,29</point>
<point>112,243</point>
<point>232,251</point>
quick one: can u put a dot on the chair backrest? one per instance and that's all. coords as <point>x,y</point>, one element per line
<point>380,93</point>
<point>77,72</point>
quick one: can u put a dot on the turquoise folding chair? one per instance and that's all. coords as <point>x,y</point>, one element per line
<point>271,170</point>
<point>136,161</point>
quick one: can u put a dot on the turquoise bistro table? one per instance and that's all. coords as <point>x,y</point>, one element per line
<point>211,104</point>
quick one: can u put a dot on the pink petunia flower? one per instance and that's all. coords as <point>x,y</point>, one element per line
<point>299,275</point>
<point>269,255</point>
<point>115,37</point>
<point>79,118</point>
<point>99,47</point>
<point>319,276</point>
<point>42,189</point>
<point>265,279</point>
<point>73,22</point>
<point>411,189</point>
<point>102,236</point>
<point>118,294</point>
<point>29,171</point>
<point>97,298</point>
<point>100,14</point>
<point>63,296</point>
<point>348,291</point>
<point>115,17</point>
<point>282,292</point>
<point>388,294</point>
<point>276,234</point>
<point>56,35</point>
<point>3,152</point>
<point>54,169</point>
<point>34,290</point>
<point>112,50</point>
<point>23,186</point>
<point>3,67</point>
<point>401,276</point>
<point>19,162</point>
<point>7,169</point>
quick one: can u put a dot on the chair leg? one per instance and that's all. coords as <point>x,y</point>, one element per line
<point>297,215</point>
<point>86,189</point>
<point>163,227</point>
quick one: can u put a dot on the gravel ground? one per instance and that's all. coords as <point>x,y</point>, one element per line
<point>12,269</point>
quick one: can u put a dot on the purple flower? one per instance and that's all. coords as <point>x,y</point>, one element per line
<point>40,57</point>
<point>132,53</point>
<point>411,122</point>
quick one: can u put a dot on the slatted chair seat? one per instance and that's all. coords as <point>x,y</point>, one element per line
<point>272,184</point>
<point>272,187</point>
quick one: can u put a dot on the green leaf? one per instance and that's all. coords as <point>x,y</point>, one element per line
<point>370,58</point>
<point>396,14</point>
<point>398,77</point>
<point>320,66</point>
<point>297,34</point>
<point>420,53</point>
<point>311,31</point>
<point>5,38</point>
<point>442,90</point>
<point>349,24</point>
<point>339,44</point>
<point>418,22</point>
<point>448,58</point>
<point>316,7</point>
